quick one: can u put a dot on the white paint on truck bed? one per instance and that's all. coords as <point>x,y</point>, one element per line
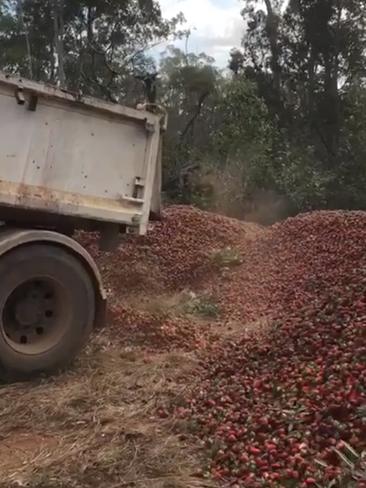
<point>76,158</point>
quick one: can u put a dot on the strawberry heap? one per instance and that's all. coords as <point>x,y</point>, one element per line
<point>174,255</point>
<point>273,410</point>
<point>278,403</point>
<point>155,331</point>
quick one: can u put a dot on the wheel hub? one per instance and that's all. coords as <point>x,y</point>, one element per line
<point>28,312</point>
<point>31,315</point>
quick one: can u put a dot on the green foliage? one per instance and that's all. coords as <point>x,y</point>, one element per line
<point>96,47</point>
<point>204,306</point>
<point>226,258</point>
<point>246,120</point>
<point>245,133</point>
<point>12,43</point>
<point>307,59</point>
<point>188,90</point>
<point>349,189</point>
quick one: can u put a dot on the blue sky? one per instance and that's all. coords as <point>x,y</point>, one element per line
<point>216,25</point>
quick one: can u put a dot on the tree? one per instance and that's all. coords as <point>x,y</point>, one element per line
<point>304,56</point>
<point>236,61</point>
<point>262,47</point>
<point>91,46</point>
<point>188,85</point>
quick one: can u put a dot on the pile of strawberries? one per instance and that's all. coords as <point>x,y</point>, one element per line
<point>176,254</point>
<point>155,331</point>
<point>181,246</point>
<point>285,393</point>
<point>273,410</point>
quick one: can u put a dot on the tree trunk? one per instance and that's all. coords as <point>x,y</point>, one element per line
<point>332,94</point>
<point>58,23</point>
<point>90,24</point>
<point>27,40</point>
<point>192,120</point>
<point>272,33</point>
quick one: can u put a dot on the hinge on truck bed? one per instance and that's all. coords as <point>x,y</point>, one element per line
<point>150,127</point>
<point>19,96</point>
<point>32,101</point>
<point>138,188</point>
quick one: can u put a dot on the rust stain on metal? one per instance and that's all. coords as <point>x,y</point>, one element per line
<point>51,199</point>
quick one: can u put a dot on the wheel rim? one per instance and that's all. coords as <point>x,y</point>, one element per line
<point>34,315</point>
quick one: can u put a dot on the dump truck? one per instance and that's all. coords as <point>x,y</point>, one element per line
<point>67,162</point>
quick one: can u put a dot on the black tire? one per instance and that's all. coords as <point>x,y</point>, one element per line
<point>47,310</point>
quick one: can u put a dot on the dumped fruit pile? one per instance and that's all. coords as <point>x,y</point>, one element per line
<point>155,331</point>
<point>272,410</point>
<point>175,254</point>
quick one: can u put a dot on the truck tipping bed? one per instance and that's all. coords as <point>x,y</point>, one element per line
<point>69,159</point>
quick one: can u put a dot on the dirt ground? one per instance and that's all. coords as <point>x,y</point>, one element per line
<point>96,425</point>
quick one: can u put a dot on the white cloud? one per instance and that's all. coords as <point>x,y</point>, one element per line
<point>216,24</point>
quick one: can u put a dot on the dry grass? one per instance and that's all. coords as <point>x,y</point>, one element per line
<point>159,304</point>
<point>226,258</point>
<point>177,304</point>
<point>96,425</point>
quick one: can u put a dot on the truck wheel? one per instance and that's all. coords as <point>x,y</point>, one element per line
<point>47,309</point>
